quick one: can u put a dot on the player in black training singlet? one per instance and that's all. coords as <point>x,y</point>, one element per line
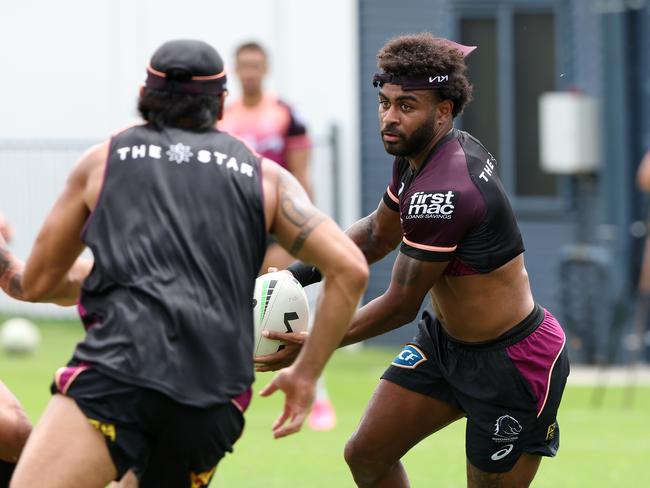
<point>491,354</point>
<point>176,215</point>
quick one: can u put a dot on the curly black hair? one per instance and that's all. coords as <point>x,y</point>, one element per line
<point>162,108</point>
<point>422,54</point>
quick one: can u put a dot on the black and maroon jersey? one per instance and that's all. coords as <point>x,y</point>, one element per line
<point>454,208</point>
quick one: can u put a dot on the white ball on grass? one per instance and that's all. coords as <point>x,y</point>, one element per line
<point>19,336</point>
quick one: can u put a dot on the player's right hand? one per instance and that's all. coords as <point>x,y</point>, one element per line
<point>299,391</point>
<point>286,356</point>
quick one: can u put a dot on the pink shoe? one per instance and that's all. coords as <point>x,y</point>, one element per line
<point>322,416</point>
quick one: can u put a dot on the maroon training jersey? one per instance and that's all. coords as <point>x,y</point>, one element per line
<point>454,208</point>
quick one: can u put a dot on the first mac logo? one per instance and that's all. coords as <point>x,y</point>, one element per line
<point>409,358</point>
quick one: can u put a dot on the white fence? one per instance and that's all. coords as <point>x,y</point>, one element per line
<point>33,172</point>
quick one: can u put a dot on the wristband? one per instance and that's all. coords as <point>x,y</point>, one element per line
<point>304,273</point>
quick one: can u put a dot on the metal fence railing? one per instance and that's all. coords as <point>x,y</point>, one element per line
<point>33,172</point>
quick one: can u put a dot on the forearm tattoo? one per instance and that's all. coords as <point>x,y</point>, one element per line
<point>10,277</point>
<point>365,235</point>
<point>298,212</point>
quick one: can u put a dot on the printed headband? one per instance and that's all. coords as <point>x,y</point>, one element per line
<point>430,82</point>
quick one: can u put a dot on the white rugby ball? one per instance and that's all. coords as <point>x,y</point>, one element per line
<point>279,304</point>
<point>19,336</point>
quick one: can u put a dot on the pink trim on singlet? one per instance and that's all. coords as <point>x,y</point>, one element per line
<point>84,229</point>
<point>536,355</point>
<point>243,400</point>
<point>65,376</point>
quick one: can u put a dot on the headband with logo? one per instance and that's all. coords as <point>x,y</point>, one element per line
<point>429,82</point>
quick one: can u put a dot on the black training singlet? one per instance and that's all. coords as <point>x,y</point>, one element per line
<point>454,208</point>
<point>178,236</point>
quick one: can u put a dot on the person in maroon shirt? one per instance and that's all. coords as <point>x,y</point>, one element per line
<point>491,354</point>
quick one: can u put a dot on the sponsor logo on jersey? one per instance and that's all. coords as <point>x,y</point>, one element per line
<point>438,204</point>
<point>506,429</point>
<point>501,453</point>
<point>180,153</point>
<point>488,168</point>
<point>410,357</point>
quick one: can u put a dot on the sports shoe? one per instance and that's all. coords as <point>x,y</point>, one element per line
<point>322,416</point>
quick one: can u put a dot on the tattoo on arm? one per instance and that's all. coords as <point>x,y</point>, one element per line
<point>300,214</point>
<point>16,285</point>
<point>364,236</point>
<point>10,277</point>
<point>5,263</point>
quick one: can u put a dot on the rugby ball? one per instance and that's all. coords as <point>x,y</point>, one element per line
<point>279,304</point>
<point>19,336</point>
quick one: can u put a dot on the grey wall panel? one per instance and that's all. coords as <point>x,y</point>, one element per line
<point>379,21</point>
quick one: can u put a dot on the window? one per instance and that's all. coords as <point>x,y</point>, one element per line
<point>515,64</point>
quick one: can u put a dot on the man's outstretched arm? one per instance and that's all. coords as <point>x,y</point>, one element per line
<point>314,238</point>
<point>54,272</point>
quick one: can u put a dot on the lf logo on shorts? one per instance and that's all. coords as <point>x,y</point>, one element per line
<point>409,358</point>
<point>201,479</point>
<point>501,453</point>
<point>550,432</point>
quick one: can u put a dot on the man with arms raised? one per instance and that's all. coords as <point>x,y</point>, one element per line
<point>176,214</point>
<point>491,354</point>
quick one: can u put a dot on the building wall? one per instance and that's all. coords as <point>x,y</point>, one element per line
<point>599,53</point>
<point>72,70</point>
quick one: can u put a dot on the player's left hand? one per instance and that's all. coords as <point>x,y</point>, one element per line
<point>299,394</point>
<point>293,342</point>
<point>6,232</point>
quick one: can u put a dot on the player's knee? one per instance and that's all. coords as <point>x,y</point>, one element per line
<point>15,428</point>
<point>363,463</point>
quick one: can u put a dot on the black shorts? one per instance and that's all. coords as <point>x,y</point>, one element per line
<point>6,470</point>
<point>510,388</point>
<point>165,443</point>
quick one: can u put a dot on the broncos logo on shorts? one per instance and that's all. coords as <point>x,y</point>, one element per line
<point>507,426</point>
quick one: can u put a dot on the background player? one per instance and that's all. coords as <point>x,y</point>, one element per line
<point>176,214</point>
<point>272,128</point>
<point>491,354</point>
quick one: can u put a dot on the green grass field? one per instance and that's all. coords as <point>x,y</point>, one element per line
<point>604,447</point>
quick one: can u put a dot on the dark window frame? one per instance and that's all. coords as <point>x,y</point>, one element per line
<point>504,15</point>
